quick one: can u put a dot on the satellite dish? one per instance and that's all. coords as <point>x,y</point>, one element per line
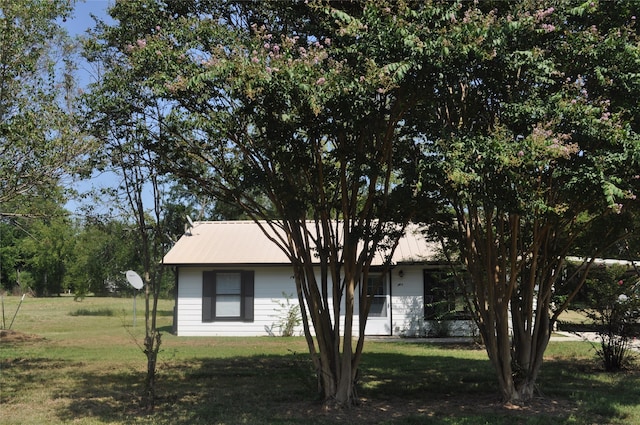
<point>134,279</point>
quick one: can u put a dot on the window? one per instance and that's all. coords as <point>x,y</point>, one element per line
<point>227,295</point>
<point>443,296</point>
<point>376,287</point>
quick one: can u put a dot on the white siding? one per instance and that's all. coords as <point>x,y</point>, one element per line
<point>269,286</point>
<point>407,304</point>
<point>407,301</point>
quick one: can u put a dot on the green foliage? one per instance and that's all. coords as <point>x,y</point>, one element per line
<point>39,141</point>
<point>288,316</point>
<point>104,249</point>
<point>613,304</point>
<point>37,250</point>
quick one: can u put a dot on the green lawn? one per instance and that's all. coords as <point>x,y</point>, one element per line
<point>80,363</point>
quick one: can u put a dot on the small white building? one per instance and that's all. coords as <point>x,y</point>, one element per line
<point>231,280</point>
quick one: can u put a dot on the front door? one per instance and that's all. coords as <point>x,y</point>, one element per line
<point>379,322</point>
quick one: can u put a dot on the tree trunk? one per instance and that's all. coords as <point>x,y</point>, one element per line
<point>151,349</point>
<point>332,351</point>
<point>518,358</point>
<point>152,342</point>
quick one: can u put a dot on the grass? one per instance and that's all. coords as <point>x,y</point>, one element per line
<point>87,312</point>
<point>72,362</point>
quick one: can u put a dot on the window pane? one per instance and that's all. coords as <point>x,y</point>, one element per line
<point>376,286</point>
<point>228,306</point>
<point>378,306</point>
<point>228,284</point>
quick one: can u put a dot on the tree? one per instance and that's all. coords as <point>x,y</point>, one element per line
<point>38,139</point>
<point>105,247</point>
<point>127,118</point>
<point>37,245</point>
<point>533,148</point>
<point>271,109</point>
<point>46,253</point>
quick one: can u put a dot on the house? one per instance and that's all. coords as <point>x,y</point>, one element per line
<point>231,280</point>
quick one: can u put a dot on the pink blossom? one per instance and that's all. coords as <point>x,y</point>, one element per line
<point>620,282</point>
<point>142,43</point>
<point>327,41</point>
<point>321,81</point>
<point>267,46</point>
<point>521,153</point>
<point>255,59</point>
<point>548,27</point>
<point>541,14</point>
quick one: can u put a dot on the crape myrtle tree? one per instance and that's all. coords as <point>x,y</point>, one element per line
<point>294,113</point>
<point>534,154</point>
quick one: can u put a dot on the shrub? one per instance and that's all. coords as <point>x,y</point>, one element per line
<point>613,303</point>
<point>86,312</point>
<point>289,317</point>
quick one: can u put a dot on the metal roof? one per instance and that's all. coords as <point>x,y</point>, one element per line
<point>244,243</point>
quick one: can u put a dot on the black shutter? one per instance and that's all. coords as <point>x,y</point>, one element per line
<point>247,295</point>
<point>429,298</point>
<point>208,296</point>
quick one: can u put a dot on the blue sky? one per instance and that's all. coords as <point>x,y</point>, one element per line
<point>81,19</point>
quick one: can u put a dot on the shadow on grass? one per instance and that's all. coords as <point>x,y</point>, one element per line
<point>594,391</point>
<point>395,388</point>
<point>255,390</point>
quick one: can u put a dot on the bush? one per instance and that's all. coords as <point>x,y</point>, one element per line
<point>86,312</point>
<point>289,317</point>
<point>614,306</point>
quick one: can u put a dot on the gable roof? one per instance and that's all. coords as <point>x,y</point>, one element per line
<point>244,243</point>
